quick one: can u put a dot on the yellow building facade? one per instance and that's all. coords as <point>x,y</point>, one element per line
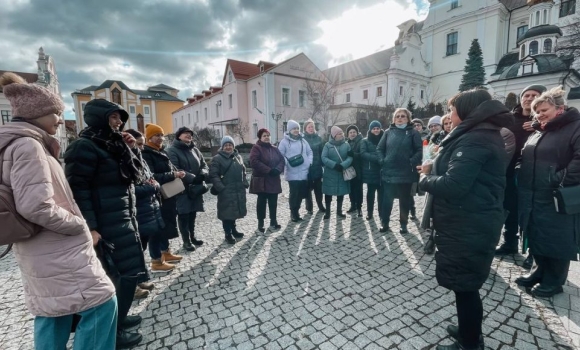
<point>154,105</point>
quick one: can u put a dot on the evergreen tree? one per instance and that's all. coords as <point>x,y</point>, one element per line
<point>411,105</point>
<point>474,76</point>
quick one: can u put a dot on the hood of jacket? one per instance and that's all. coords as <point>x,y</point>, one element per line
<point>290,138</point>
<point>182,145</point>
<point>97,112</point>
<point>15,130</point>
<point>228,155</point>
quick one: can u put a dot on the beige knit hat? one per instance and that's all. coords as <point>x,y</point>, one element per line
<point>29,101</point>
<point>335,130</point>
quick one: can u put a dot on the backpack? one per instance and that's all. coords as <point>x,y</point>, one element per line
<point>15,228</point>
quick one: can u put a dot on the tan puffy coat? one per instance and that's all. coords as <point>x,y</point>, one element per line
<point>60,271</point>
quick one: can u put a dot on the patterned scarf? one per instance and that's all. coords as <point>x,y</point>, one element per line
<point>130,167</point>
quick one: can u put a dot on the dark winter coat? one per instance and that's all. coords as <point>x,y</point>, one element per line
<point>401,151</point>
<point>148,207</point>
<point>438,137</point>
<point>333,183</point>
<point>546,157</point>
<point>316,144</point>
<point>263,158</point>
<point>468,195</point>
<point>371,167</point>
<point>163,172</point>
<point>355,145</point>
<point>106,200</point>
<point>189,159</point>
<point>231,186</point>
<point>521,136</point>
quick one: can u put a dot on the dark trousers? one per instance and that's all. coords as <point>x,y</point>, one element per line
<point>552,272</point>
<point>356,193</point>
<point>469,317</point>
<point>157,243</point>
<point>390,192</point>
<point>339,200</point>
<point>229,226</point>
<point>272,200</point>
<point>298,190</point>
<point>125,289</point>
<point>372,191</point>
<point>316,186</point>
<point>186,224</point>
<point>510,203</point>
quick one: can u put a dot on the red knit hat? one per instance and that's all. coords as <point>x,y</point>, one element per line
<point>262,131</point>
<point>29,101</point>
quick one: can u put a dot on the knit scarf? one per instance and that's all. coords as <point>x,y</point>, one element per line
<point>130,167</point>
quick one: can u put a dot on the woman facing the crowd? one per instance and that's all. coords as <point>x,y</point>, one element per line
<point>356,184</point>
<point>335,159</point>
<point>467,181</point>
<point>163,172</point>
<point>401,150</point>
<point>227,173</point>
<point>315,170</point>
<point>101,170</point>
<point>550,159</point>
<point>299,157</point>
<point>185,156</point>
<point>371,166</point>
<point>267,164</point>
<point>60,271</point>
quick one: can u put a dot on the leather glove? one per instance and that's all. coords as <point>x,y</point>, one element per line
<point>274,172</point>
<point>338,167</point>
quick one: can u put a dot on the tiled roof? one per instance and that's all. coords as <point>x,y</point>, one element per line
<point>162,86</point>
<point>156,95</point>
<point>109,83</point>
<point>29,77</point>
<point>362,67</point>
<point>85,91</point>
<point>514,4</point>
<point>242,70</point>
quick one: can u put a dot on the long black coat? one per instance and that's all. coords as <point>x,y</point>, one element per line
<point>316,144</point>
<point>371,167</point>
<point>546,156</point>
<point>106,200</point>
<point>189,159</point>
<point>401,151</point>
<point>520,135</point>
<point>162,170</point>
<point>148,207</point>
<point>468,195</point>
<point>231,186</point>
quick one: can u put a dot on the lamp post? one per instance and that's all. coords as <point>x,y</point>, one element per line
<point>276,117</point>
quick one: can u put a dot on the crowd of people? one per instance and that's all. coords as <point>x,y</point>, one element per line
<point>482,167</point>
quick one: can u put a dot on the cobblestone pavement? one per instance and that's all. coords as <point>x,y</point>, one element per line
<point>320,284</point>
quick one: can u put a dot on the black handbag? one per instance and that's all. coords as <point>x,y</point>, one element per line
<point>197,190</point>
<point>296,160</point>
<point>567,199</point>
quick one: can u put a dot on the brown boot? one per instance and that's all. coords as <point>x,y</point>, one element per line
<point>146,285</point>
<point>158,265</point>
<point>168,257</point>
<point>140,293</point>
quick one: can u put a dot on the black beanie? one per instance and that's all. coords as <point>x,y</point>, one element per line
<point>182,130</point>
<point>538,88</point>
<point>350,127</point>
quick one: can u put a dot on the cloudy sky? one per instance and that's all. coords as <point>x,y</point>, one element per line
<point>185,43</point>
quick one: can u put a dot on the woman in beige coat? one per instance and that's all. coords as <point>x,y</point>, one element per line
<point>61,274</point>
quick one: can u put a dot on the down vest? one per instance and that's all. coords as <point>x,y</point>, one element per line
<point>231,185</point>
<point>61,274</point>
<point>468,193</point>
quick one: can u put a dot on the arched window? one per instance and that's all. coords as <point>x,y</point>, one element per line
<point>545,19</point>
<point>116,95</point>
<point>533,48</point>
<point>548,46</point>
<point>537,18</point>
<point>522,51</point>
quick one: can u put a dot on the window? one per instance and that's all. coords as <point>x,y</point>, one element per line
<point>116,96</point>
<point>537,17</point>
<point>545,17</point>
<point>422,94</point>
<point>254,99</point>
<point>132,109</point>
<point>567,7</point>
<point>146,109</point>
<point>365,94</point>
<point>83,108</point>
<point>197,116</point>
<point>217,110</point>
<point>316,98</point>
<point>301,98</point>
<point>522,30</point>
<point>230,76</point>
<point>348,97</point>
<point>285,96</point>
<point>255,128</point>
<point>533,48</point>
<point>400,91</point>
<point>454,4</point>
<point>188,119</point>
<point>522,51</point>
<point>175,121</point>
<point>527,67</point>
<point>5,117</point>
<point>547,45</point>
<point>451,44</point>
<point>182,124</point>
<point>230,101</point>
<point>379,91</point>
<point>205,112</point>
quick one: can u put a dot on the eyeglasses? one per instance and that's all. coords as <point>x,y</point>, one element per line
<point>418,125</point>
<point>400,116</point>
<point>433,125</point>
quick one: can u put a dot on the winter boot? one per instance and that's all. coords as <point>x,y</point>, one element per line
<point>186,242</point>
<point>413,212</point>
<point>429,246</point>
<point>327,213</point>
<point>339,213</point>
<point>166,256</point>
<point>230,239</point>
<point>261,225</point>
<point>359,213</point>
<point>127,340</point>
<point>158,265</point>
<point>140,293</point>
<point>236,233</point>
<point>403,229</point>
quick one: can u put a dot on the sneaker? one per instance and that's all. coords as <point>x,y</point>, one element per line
<point>168,257</point>
<point>158,265</point>
<point>140,293</point>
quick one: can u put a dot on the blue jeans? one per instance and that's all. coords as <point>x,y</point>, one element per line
<point>97,329</point>
<point>157,244</point>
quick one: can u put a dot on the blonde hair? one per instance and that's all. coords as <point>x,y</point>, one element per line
<point>407,112</point>
<point>445,117</point>
<point>554,97</point>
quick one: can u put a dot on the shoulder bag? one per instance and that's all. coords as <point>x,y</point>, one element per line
<point>348,173</point>
<point>172,188</point>
<point>567,199</point>
<point>296,160</point>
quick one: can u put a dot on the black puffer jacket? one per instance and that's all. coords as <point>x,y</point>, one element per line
<point>468,195</point>
<point>231,185</point>
<point>521,136</point>
<point>106,200</point>
<point>148,207</point>
<point>355,145</point>
<point>162,170</point>
<point>317,146</point>
<point>401,151</point>
<point>371,168</point>
<point>189,159</point>
<point>546,157</point>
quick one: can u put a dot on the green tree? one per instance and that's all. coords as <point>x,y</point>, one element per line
<point>411,105</point>
<point>474,76</point>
